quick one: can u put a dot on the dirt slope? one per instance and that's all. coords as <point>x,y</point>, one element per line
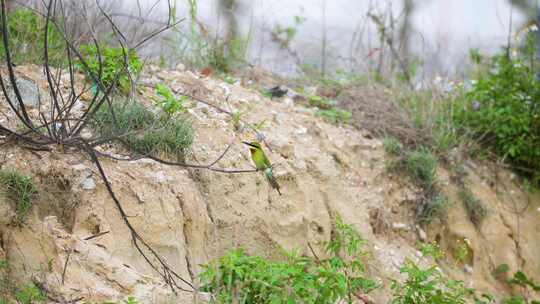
<point>192,216</point>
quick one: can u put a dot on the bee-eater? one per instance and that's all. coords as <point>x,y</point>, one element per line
<point>262,163</point>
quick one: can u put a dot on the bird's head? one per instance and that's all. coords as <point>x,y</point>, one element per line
<point>253,146</point>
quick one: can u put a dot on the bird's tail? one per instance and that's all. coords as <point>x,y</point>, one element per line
<point>272,179</point>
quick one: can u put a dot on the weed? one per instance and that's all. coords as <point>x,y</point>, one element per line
<point>26,30</point>
<point>433,206</point>
<point>421,166</point>
<point>20,189</point>
<point>321,103</point>
<point>392,146</point>
<point>237,120</point>
<point>428,286</point>
<point>112,66</point>
<point>239,278</point>
<point>335,115</point>
<point>168,102</point>
<point>143,131</point>
<point>475,208</point>
<point>30,294</point>
<point>502,110</point>
<point>461,251</point>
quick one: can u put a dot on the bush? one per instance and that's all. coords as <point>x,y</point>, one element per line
<point>144,132</point>
<point>239,278</point>
<point>428,285</point>
<point>167,101</point>
<point>29,294</point>
<point>26,30</point>
<point>421,166</point>
<point>20,189</point>
<point>335,115</point>
<point>475,208</point>
<point>392,146</point>
<point>119,66</point>
<point>502,110</point>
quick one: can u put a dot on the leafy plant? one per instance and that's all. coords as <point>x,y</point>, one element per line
<point>168,102</point>
<point>30,294</point>
<point>502,109</point>
<point>428,286</point>
<point>321,103</point>
<point>26,29</point>
<point>112,66</point>
<point>461,251</point>
<point>335,115</point>
<point>239,278</point>
<point>143,131</point>
<point>20,189</point>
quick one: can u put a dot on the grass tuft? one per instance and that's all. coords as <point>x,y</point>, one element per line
<point>421,166</point>
<point>143,131</point>
<point>20,189</point>
<point>475,208</point>
<point>392,146</point>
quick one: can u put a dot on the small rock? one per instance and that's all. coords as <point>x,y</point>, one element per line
<point>400,226</point>
<point>88,183</point>
<point>29,93</point>
<point>180,67</point>
<point>301,131</point>
<point>288,102</point>
<point>538,209</point>
<point>79,167</point>
<point>310,90</point>
<point>421,233</point>
<point>279,118</point>
<point>468,269</point>
<point>160,177</point>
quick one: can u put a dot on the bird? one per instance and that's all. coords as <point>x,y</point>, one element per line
<point>262,163</point>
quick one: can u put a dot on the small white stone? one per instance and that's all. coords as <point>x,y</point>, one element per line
<point>400,226</point>
<point>288,102</point>
<point>421,234</point>
<point>301,131</point>
<point>88,183</point>
<point>180,67</point>
<point>79,167</point>
<point>468,269</point>
<point>160,177</point>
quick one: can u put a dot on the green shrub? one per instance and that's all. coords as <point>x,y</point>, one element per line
<point>392,146</point>
<point>239,278</point>
<point>167,101</point>
<point>26,39</point>
<point>143,131</point>
<point>421,166</point>
<point>321,103</point>
<point>428,286</point>
<point>119,66</point>
<point>502,110</point>
<point>29,294</point>
<point>20,189</point>
<point>475,208</point>
<point>432,206</point>
<point>335,115</point>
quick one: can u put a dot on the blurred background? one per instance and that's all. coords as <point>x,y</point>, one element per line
<point>285,36</point>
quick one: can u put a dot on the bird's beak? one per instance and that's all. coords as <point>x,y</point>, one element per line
<point>247,144</point>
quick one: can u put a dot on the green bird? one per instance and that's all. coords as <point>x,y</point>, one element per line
<point>262,163</point>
